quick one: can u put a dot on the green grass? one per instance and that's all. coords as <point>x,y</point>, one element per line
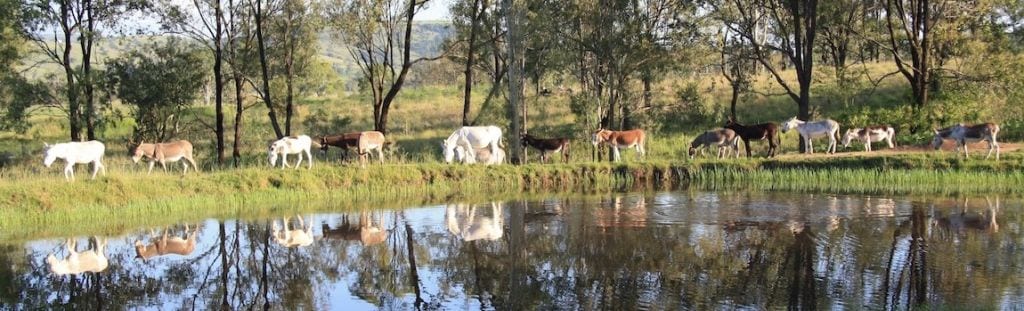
<point>32,204</point>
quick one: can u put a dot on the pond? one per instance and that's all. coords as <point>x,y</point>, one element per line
<point>666,250</point>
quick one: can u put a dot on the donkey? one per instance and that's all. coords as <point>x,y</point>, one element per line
<point>724,139</point>
<point>810,130</point>
<point>870,134</point>
<point>621,139</point>
<point>75,153</point>
<point>165,152</point>
<point>483,155</point>
<point>547,146</point>
<point>370,141</point>
<point>290,145</point>
<point>964,134</point>
<point>764,131</point>
<point>344,141</point>
<point>471,138</point>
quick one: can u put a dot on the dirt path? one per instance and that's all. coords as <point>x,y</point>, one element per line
<point>976,149</point>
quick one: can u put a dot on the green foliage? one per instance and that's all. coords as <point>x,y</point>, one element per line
<point>159,85</point>
<point>321,123</point>
<point>691,110</point>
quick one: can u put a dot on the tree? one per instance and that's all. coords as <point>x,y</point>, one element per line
<point>513,16</point>
<point>474,18</point>
<point>67,19</point>
<point>203,21</point>
<point>260,11</point>
<point>919,38</point>
<point>295,29</point>
<point>379,36</point>
<point>793,27</point>
<point>159,83</point>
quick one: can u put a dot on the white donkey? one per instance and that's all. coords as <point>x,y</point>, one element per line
<point>471,138</point>
<point>810,130</point>
<point>74,153</point>
<point>290,145</point>
<point>869,135</point>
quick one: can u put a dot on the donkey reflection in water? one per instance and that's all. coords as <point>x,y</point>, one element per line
<point>91,260</point>
<point>622,214</point>
<point>165,245</point>
<point>959,222</point>
<point>464,222</point>
<point>291,237</point>
<point>365,231</point>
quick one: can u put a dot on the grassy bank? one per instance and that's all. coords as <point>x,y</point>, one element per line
<point>48,206</point>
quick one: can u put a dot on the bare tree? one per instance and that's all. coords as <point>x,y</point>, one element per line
<point>379,37</point>
<point>204,21</point>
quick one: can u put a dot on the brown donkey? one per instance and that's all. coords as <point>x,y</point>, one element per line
<point>547,146</point>
<point>165,152</point>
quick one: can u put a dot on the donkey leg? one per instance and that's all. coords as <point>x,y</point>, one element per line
<point>69,170</point>
<point>309,156</point>
<point>151,163</point>
<point>95,169</point>
<point>867,145</point>
<point>615,154</point>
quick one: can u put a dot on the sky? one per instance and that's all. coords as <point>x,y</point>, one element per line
<point>435,10</point>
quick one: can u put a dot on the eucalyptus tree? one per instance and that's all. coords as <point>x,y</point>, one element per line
<point>378,34</point>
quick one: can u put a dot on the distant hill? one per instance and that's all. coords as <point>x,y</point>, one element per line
<point>427,39</point>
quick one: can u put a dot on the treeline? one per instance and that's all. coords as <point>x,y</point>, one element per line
<point>610,53</point>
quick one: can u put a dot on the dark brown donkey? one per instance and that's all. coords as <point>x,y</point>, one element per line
<point>344,141</point>
<point>547,146</point>
<point>769,131</point>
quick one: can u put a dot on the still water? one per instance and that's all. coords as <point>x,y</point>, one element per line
<point>671,250</point>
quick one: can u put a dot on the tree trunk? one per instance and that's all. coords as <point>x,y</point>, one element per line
<point>469,61</point>
<point>515,76</point>
<point>74,112</point>
<point>289,71</point>
<point>735,97</point>
<point>385,105</point>
<point>236,147</point>
<point>86,39</point>
<point>267,99</point>
<point>218,79</point>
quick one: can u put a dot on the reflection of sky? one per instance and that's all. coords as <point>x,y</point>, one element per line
<point>696,219</point>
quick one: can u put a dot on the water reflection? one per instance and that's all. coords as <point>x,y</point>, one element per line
<point>166,244</point>
<point>700,250</point>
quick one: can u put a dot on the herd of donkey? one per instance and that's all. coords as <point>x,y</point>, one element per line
<point>483,144</point>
